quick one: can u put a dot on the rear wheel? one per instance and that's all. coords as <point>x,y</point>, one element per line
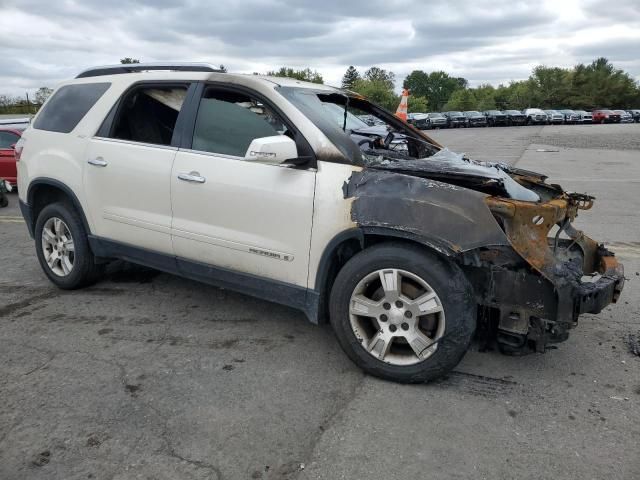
<point>63,249</point>
<point>402,313</point>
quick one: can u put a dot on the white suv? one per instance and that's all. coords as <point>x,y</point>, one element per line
<point>267,186</point>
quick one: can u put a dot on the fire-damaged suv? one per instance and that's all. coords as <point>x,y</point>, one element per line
<point>267,186</point>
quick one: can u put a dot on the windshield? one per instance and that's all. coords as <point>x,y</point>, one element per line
<point>325,108</point>
<point>435,115</point>
<point>336,113</point>
<point>455,114</point>
<point>472,114</point>
<point>494,112</point>
<point>513,112</point>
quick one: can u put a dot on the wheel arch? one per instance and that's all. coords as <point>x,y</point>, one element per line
<point>347,243</point>
<point>43,191</point>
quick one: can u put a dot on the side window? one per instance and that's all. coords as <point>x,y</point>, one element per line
<point>228,122</point>
<point>7,139</point>
<point>149,114</point>
<point>68,106</point>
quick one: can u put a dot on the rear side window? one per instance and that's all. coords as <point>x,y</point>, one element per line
<point>149,114</point>
<point>68,106</point>
<point>229,121</point>
<point>7,139</point>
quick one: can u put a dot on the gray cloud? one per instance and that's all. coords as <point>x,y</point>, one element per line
<point>484,41</point>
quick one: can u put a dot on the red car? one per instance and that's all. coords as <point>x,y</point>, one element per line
<point>8,138</point>
<point>605,116</point>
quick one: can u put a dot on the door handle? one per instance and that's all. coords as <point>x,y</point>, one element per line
<point>192,177</point>
<point>98,162</point>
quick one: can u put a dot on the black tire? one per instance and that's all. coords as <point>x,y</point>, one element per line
<point>84,271</point>
<point>448,281</point>
<point>4,201</point>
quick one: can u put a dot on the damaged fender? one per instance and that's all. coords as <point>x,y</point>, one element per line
<point>445,217</point>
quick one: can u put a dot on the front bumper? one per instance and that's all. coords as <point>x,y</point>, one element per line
<point>536,290</point>
<point>458,122</point>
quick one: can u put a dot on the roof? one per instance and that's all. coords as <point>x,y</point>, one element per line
<point>183,72</point>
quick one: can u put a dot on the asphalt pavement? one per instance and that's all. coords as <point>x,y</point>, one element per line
<point>148,375</point>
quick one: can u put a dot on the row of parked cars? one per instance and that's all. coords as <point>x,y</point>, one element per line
<point>529,116</point>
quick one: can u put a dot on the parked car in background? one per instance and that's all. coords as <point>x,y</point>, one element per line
<point>585,117</point>
<point>535,116</point>
<point>8,139</point>
<point>15,123</point>
<point>604,115</point>
<point>635,114</point>
<point>495,118</point>
<point>570,117</point>
<point>475,119</point>
<point>455,119</point>
<point>418,120</point>
<point>554,117</point>
<point>437,120</point>
<point>515,117</point>
<point>625,117</point>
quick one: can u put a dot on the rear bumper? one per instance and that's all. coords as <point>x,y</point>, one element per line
<point>27,214</point>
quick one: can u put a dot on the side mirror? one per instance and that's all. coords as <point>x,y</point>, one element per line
<point>12,146</point>
<point>272,150</point>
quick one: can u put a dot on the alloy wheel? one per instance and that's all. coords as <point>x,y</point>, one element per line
<point>396,316</point>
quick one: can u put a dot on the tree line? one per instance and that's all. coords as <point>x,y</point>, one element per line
<point>596,85</point>
<point>585,86</point>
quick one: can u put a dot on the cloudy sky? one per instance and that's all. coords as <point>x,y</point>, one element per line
<point>43,42</point>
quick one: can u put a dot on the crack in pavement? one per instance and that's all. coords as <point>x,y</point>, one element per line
<point>331,420</point>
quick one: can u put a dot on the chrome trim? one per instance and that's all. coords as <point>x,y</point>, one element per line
<point>131,142</point>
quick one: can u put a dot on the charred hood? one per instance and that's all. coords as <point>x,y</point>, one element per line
<point>445,166</point>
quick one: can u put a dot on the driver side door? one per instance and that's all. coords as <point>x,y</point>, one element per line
<point>232,212</point>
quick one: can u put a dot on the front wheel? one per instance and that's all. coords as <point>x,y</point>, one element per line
<point>403,313</point>
<point>63,249</point>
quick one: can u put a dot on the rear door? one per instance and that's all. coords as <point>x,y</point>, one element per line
<point>7,155</point>
<point>128,167</point>
<point>239,214</point>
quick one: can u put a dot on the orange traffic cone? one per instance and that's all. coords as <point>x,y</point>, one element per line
<point>401,112</point>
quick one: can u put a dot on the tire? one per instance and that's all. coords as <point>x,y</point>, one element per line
<point>84,270</point>
<point>4,201</point>
<point>454,326</point>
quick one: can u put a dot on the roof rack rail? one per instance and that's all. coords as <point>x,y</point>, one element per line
<point>143,67</point>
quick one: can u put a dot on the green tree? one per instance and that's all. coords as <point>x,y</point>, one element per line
<point>129,60</point>
<point>437,87</point>
<point>305,74</point>
<point>485,97</point>
<point>551,85</point>
<point>377,74</point>
<point>350,77</point>
<point>462,100</point>
<point>600,84</point>
<point>417,104</point>
<point>42,94</point>
<point>378,92</point>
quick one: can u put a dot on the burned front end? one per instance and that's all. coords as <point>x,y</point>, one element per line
<point>532,271</point>
<point>532,293</point>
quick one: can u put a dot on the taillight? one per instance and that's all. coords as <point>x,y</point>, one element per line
<point>18,149</point>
